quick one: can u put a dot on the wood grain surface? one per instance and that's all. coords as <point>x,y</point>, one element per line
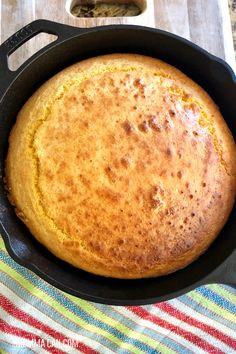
<point>205,22</point>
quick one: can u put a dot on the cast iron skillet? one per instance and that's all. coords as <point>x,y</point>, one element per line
<point>218,264</point>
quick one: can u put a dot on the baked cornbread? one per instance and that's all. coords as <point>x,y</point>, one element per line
<point>122,166</point>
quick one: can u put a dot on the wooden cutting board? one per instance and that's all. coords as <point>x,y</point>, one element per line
<point>205,22</point>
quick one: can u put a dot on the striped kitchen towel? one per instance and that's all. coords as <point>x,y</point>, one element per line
<point>35,317</point>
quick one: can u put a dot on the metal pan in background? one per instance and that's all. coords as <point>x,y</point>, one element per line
<point>218,264</point>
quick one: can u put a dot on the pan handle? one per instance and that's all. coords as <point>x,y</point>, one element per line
<point>23,35</point>
<point>229,276</point>
<point>226,273</point>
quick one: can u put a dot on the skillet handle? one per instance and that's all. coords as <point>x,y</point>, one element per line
<point>226,273</point>
<point>229,276</point>
<point>22,36</point>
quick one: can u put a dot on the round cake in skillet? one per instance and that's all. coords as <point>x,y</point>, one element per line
<point>122,166</point>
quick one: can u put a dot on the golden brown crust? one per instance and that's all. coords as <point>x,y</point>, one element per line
<point>122,166</point>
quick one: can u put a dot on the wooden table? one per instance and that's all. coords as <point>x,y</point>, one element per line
<point>205,22</point>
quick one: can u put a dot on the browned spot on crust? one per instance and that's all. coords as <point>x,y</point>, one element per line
<point>170,211</point>
<point>144,126</point>
<point>194,108</point>
<point>70,243</point>
<point>168,125</point>
<point>155,197</point>
<point>69,181</point>
<point>120,241</point>
<point>85,180</point>
<point>87,101</point>
<point>61,166</point>
<point>62,197</point>
<point>182,246</point>
<point>186,96</point>
<point>154,124</point>
<point>109,194</point>
<point>158,189</point>
<point>171,112</point>
<point>179,174</point>
<point>125,161</point>
<point>69,209</point>
<point>49,174</point>
<point>137,82</point>
<point>85,155</point>
<point>72,98</point>
<point>109,171</point>
<point>74,189</point>
<point>140,166</point>
<point>156,203</point>
<point>162,173</point>
<point>128,127</point>
<point>179,154</point>
<point>116,90</point>
<point>112,139</point>
<point>95,245</point>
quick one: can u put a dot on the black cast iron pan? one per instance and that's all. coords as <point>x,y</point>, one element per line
<point>218,264</point>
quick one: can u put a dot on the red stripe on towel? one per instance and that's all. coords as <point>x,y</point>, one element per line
<point>201,343</point>
<point>21,315</point>
<point>164,306</point>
